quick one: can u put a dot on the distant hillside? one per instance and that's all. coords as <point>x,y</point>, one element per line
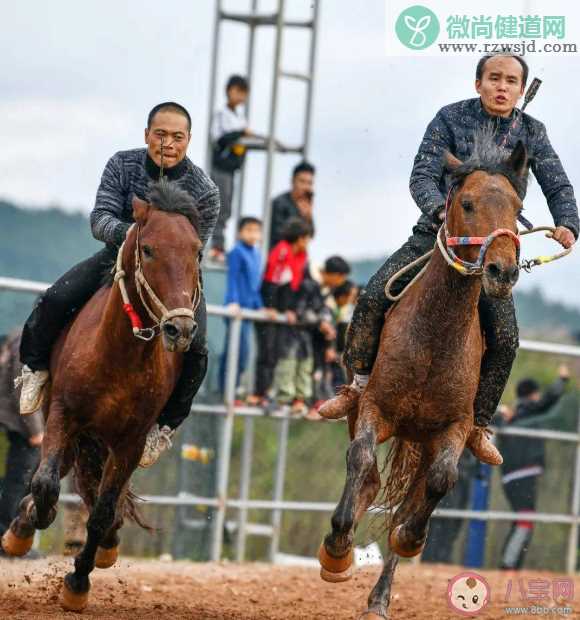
<point>43,244</point>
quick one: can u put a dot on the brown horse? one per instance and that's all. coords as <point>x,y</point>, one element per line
<point>423,385</point>
<point>108,386</point>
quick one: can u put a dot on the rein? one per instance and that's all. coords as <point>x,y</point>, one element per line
<point>148,333</point>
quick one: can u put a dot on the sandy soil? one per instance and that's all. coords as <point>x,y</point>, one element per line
<point>136,590</point>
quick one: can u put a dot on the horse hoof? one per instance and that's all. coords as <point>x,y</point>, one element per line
<point>15,546</point>
<point>402,549</point>
<point>105,558</point>
<point>329,577</point>
<point>71,601</point>
<point>335,570</point>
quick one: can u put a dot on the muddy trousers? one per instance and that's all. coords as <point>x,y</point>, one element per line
<point>58,305</point>
<point>498,321</point>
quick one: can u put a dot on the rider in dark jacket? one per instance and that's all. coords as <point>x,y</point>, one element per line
<point>500,82</point>
<point>127,174</point>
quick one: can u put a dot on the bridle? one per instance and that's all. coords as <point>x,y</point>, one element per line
<point>163,314</point>
<point>464,267</point>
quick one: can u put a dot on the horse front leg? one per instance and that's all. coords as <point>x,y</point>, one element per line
<point>116,474</point>
<point>38,510</point>
<point>361,487</point>
<point>436,476</point>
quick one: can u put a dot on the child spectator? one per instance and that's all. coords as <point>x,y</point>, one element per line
<point>285,354</point>
<point>344,296</point>
<point>332,275</point>
<point>228,126</point>
<point>243,287</point>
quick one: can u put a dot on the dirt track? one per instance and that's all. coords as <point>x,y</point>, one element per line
<point>137,590</point>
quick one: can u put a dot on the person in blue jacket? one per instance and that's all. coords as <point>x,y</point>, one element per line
<point>244,278</point>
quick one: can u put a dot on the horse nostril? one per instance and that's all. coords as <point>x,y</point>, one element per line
<point>170,330</point>
<point>493,271</point>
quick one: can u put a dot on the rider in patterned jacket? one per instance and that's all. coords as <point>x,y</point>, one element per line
<point>500,81</point>
<point>126,174</point>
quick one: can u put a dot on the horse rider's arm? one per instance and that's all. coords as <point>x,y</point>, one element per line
<point>429,166</point>
<point>106,223</point>
<point>553,180</point>
<point>208,206</point>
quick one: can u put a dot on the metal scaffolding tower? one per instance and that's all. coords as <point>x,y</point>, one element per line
<point>195,529</point>
<point>254,20</point>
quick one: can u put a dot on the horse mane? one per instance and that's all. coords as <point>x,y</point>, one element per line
<point>489,157</point>
<point>168,197</point>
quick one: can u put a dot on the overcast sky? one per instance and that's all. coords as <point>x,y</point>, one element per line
<point>77,80</point>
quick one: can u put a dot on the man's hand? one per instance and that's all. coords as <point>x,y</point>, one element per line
<point>305,207</point>
<point>36,440</point>
<point>327,330</point>
<point>271,313</point>
<point>291,317</point>
<point>234,308</point>
<point>330,356</point>
<point>507,413</point>
<point>564,371</point>
<point>564,237</point>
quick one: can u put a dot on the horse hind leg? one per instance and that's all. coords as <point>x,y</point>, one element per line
<point>361,487</point>
<point>436,476</point>
<point>379,598</point>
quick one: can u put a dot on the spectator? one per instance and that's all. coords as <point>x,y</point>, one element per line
<point>228,126</point>
<point>524,460</point>
<point>285,353</point>
<point>243,287</point>
<point>24,435</point>
<point>333,274</point>
<point>297,203</point>
<point>344,306</point>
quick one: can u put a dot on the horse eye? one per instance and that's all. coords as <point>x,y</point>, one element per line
<point>467,206</point>
<point>147,251</point>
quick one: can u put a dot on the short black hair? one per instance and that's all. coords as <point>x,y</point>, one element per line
<point>526,387</point>
<point>481,65</point>
<point>237,81</point>
<point>336,264</point>
<point>249,219</point>
<point>303,166</point>
<point>344,289</point>
<point>295,228</point>
<point>172,107</point>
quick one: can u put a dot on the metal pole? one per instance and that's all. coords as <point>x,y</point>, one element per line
<point>267,210</point>
<point>245,480</point>
<point>573,536</point>
<point>279,485</point>
<point>310,84</point>
<point>212,82</point>
<point>249,75</point>
<point>225,445</point>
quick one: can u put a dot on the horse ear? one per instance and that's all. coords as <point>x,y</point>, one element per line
<point>518,160</point>
<point>140,210</point>
<point>451,162</point>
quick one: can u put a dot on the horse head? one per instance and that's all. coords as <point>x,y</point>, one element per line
<point>484,200</point>
<point>166,261</point>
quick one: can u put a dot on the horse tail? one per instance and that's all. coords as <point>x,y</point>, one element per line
<point>400,465</point>
<point>90,456</point>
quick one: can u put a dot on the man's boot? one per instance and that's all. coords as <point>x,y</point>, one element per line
<point>346,401</point>
<point>158,440</point>
<point>481,447</point>
<point>32,393</point>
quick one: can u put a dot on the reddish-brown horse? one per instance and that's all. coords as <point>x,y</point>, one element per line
<point>423,385</point>
<point>108,387</point>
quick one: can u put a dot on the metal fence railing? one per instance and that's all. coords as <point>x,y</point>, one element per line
<point>277,505</point>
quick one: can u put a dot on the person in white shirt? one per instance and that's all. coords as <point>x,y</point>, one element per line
<point>229,125</point>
